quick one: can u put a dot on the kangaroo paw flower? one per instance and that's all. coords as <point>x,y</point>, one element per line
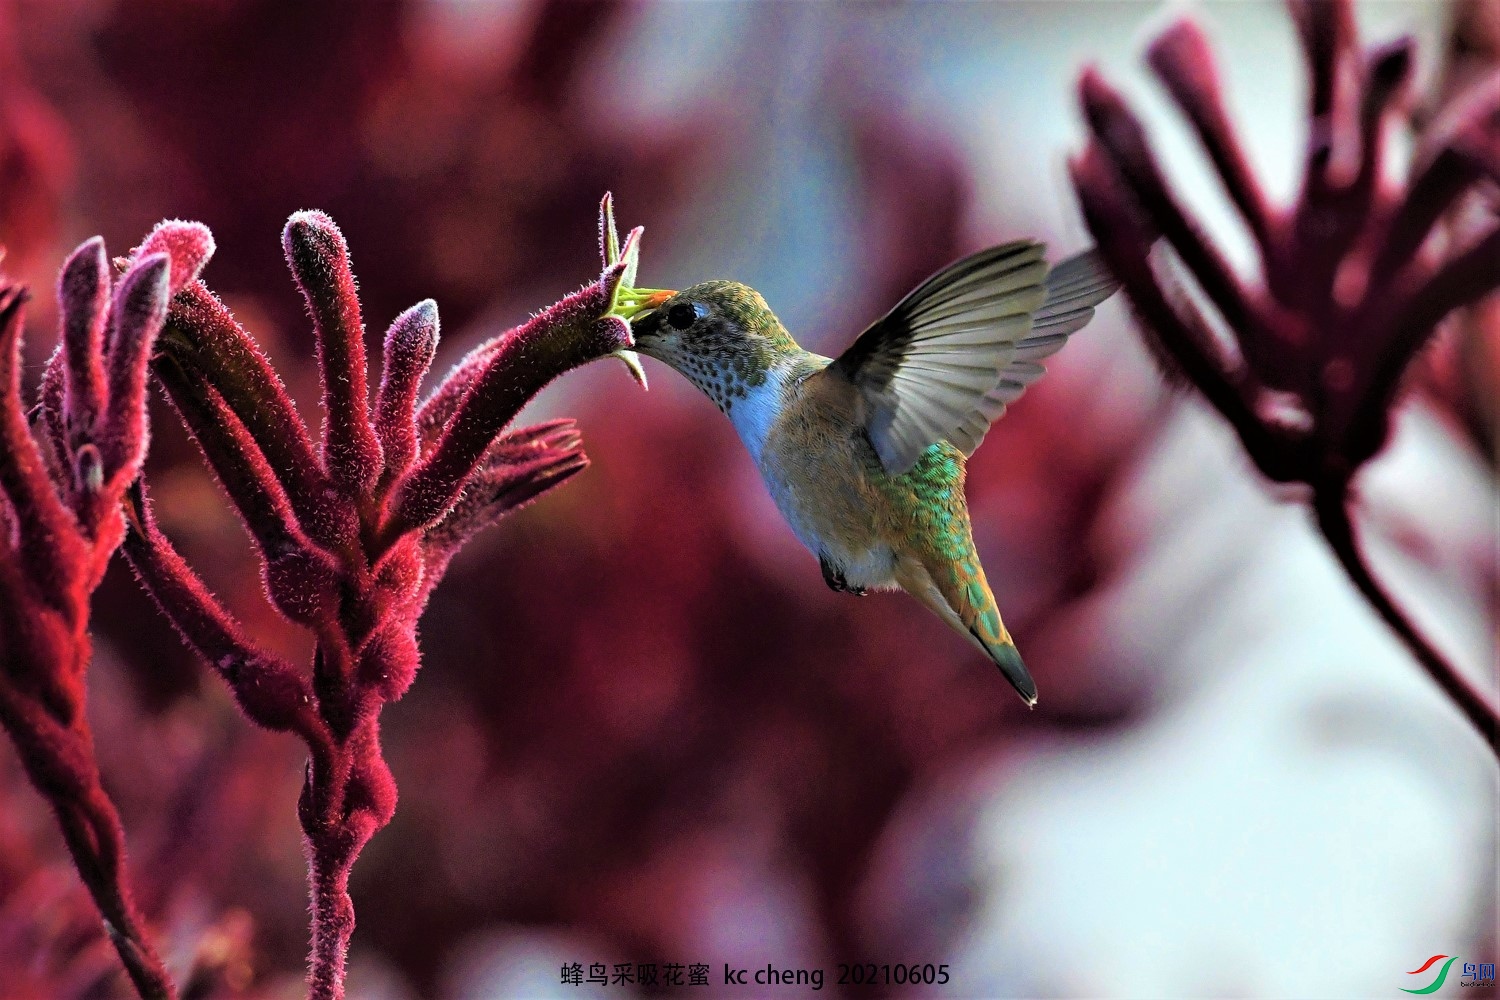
<point>1309,370</point>
<point>60,508</point>
<point>353,536</point>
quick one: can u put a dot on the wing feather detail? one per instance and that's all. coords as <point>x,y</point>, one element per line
<point>1074,288</point>
<point>965,344</point>
<point>925,366</point>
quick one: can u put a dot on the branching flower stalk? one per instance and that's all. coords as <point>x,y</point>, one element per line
<point>60,522</point>
<point>1307,368</point>
<point>354,532</point>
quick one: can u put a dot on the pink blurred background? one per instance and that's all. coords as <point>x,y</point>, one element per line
<point>645,730</point>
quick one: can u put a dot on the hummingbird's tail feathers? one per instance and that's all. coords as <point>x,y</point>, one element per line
<point>983,620</point>
<point>959,593</point>
<point>1008,659</point>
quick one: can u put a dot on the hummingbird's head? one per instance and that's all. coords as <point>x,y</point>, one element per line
<point>720,335</point>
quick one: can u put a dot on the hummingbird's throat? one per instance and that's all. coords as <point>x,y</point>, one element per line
<point>727,370</point>
<point>718,385</point>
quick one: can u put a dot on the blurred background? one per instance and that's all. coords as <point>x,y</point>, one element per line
<point>645,731</point>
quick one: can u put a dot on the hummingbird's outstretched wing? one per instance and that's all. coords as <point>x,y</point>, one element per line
<point>1074,288</point>
<point>925,366</point>
<point>945,362</point>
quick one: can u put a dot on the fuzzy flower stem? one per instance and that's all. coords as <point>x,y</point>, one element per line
<point>203,339</point>
<point>85,278</point>
<point>59,508</point>
<point>347,798</point>
<point>1332,509</point>
<point>333,920</point>
<point>90,826</point>
<point>319,259</point>
<point>409,346</point>
<point>560,338</point>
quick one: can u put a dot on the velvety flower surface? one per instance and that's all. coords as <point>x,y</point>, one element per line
<point>61,518</point>
<point>355,530</point>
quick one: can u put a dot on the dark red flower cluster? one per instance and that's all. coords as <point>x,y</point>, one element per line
<point>1306,368</point>
<point>60,521</point>
<point>353,535</point>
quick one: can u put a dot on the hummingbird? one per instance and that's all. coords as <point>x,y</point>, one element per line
<point>864,454</point>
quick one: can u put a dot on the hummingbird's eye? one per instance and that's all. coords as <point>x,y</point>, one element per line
<point>683,315</point>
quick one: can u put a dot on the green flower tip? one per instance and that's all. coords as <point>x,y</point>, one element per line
<point>625,301</point>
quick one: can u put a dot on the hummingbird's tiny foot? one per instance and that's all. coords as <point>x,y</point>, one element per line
<point>836,580</point>
<point>834,577</point>
<point>831,575</point>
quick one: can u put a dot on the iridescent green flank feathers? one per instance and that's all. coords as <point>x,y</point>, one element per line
<point>864,454</point>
